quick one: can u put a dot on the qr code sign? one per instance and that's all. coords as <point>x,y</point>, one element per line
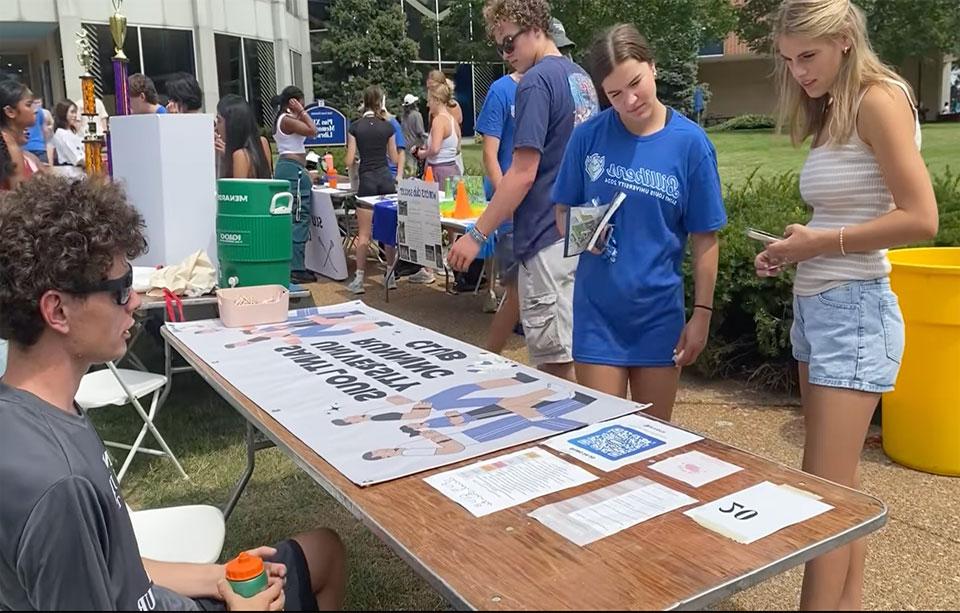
<point>616,442</point>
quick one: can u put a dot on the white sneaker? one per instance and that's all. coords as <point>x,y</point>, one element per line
<point>356,286</point>
<point>424,276</point>
<point>391,283</point>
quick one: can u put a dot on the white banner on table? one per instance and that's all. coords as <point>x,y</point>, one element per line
<point>751,514</point>
<point>500,483</point>
<point>616,443</point>
<point>380,398</point>
<point>695,468</point>
<point>418,223</point>
<point>323,253</point>
<point>604,512</point>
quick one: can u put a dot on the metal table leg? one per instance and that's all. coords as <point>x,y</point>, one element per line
<point>253,446</point>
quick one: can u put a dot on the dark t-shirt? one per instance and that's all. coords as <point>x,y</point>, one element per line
<point>372,134</point>
<point>553,97</point>
<point>66,541</point>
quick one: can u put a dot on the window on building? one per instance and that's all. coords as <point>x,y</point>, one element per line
<point>246,67</point>
<point>711,47</point>
<point>102,68</point>
<point>319,14</point>
<point>229,65</point>
<point>261,76</point>
<point>166,52</point>
<point>296,68</point>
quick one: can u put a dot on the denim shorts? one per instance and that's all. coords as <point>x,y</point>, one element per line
<point>852,336</point>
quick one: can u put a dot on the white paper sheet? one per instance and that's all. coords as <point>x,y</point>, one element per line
<point>509,480</point>
<point>599,514</point>
<point>616,443</point>
<point>695,468</point>
<point>418,223</point>
<point>758,511</point>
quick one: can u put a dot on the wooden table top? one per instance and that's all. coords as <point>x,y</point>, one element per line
<point>507,560</point>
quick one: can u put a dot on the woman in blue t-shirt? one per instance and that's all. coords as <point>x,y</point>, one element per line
<point>629,325</point>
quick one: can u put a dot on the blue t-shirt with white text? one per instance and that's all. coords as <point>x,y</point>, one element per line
<point>672,188</point>
<point>553,97</point>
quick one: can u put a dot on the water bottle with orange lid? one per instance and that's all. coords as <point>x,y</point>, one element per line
<point>246,575</point>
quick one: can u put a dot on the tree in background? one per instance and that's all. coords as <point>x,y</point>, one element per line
<point>366,44</point>
<point>899,29</point>
<point>676,29</point>
<point>463,34</point>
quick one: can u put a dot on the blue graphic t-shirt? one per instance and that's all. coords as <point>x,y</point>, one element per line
<point>496,119</point>
<point>553,97</point>
<point>399,141</point>
<point>672,186</point>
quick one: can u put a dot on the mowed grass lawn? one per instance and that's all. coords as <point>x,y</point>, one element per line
<point>281,500</point>
<point>740,153</point>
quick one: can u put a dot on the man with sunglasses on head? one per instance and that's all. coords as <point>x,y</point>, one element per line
<point>66,540</point>
<point>554,95</point>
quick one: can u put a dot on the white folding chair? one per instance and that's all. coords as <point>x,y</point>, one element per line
<point>113,386</point>
<point>190,533</point>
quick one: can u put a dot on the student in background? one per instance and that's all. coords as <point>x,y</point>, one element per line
<point>629,322</point>
<point>184,93</point>
<point>496,124</point>
<point>436,79</point>
<point>143,95</point>
<point>66,140</point>
<point>246,154</point>
<point>17,114</point>
<point>869,190</point>
<point>40,134</point>
<point>374,139</point>
<point>414,133</point>
<point>292,127</point>
<point>443,143</point>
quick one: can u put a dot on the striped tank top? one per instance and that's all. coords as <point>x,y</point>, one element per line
<point>844,186</point>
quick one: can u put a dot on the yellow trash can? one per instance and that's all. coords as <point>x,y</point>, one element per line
<point>921,418</point>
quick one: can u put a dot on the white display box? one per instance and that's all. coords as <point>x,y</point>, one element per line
<point>166,164</point>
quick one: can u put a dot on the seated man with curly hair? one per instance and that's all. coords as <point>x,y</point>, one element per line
<point>66,541</point>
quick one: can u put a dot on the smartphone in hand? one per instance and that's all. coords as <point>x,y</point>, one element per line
<point>764,237</point>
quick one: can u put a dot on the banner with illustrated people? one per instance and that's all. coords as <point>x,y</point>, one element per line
<point>380,398</point>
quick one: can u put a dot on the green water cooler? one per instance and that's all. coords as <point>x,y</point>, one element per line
<point>254,232</point>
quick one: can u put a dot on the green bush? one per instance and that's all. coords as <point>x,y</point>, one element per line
<point>745,122</point>
<point>750,336</point>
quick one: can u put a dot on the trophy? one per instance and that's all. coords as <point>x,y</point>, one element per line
<point>92,142</point>
<point>118,29</point>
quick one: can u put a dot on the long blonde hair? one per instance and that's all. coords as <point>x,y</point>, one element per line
<point>859,69</point>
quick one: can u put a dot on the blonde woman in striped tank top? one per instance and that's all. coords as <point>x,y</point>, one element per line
<point>869,190</point>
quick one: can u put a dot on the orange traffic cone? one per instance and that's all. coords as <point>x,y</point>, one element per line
<point>462,209</point>
<point>428,175</point>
